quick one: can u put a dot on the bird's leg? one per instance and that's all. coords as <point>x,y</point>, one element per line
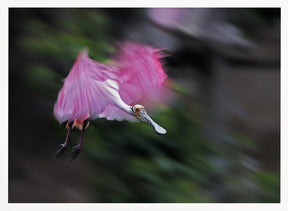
<point>76,149</point>
<point>63,146</point>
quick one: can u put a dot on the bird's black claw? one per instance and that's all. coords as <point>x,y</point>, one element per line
<point>60,151</point>
<point>74,153</point>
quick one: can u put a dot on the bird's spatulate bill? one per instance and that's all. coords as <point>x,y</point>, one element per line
<point>157,128</point>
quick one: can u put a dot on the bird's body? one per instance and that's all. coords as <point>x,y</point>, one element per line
<point>95,90</point>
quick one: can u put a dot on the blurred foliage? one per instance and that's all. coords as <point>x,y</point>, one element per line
<point>132,163</point>
<point>135,165</point>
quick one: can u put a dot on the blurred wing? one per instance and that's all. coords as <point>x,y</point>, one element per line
<point>140,78</point>
<point>141,75</point>
<point>85,92</point>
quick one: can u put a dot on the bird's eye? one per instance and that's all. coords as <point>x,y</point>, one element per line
<point>137,108</point>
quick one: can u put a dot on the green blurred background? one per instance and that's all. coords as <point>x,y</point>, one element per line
<point>223,140</point>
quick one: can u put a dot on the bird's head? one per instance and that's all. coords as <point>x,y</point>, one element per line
<point>140,112</point>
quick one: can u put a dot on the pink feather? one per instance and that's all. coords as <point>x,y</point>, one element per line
<point>84,94</point>
<point>141,78</point>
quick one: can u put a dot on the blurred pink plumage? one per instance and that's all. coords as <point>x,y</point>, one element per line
<point>82,89</point>
<point>94,90</point>
<point>141,79</point>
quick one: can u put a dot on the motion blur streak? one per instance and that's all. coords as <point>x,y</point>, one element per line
<point>223,128</point>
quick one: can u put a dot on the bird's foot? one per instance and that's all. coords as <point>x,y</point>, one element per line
<point>74,153</point>
<point>60,151</point>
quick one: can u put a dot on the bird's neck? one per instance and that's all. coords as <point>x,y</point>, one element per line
<point>113,88</point>
<point>125,107</point>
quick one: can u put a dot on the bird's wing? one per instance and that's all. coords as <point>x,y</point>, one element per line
<point>140,79</point>
<point>141,76</point>
<point>85,92</point>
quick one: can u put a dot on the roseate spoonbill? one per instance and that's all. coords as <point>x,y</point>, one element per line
<point>95,90</point>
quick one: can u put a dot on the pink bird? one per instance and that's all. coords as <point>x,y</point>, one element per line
<point>95,90</point>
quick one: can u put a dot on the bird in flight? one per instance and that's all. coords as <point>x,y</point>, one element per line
<point>115,92</point>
